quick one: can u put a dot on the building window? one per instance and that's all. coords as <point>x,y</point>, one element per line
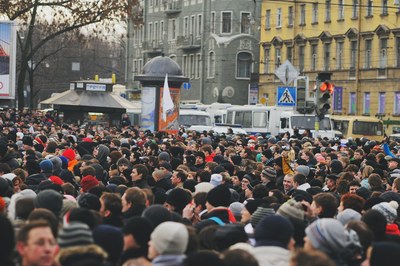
<point>384,7</point>
<point>289,53</point>
<point>173,29</point>
<point>199,25</point>
<point>135,67</point>
<point>150,37</point>
<point>353,54</point>
<point>352,103</point>
<point>397,103</point>
<point>367,103</point>
<point>369,8</point>
<point>212,22</point>
<point>382,103</point>
<point>268,19</point>
<point>327,55</point>
<point>277,57</point>
<point>156,31</point>
<point>354,9</point>
<point>339,55</point>
<point>279,18</point>
<point>383,53</point>
<point>184,65</point>
<point>198,66</point>
<point>314,18</point>
<point>211,65</point>
<point>226,22</point>
<point>243,65</point>
<point>301,58</point>
<point>328,11</point>
<point>186,26</point>
<point>192,25</point>
<point>314,57</point>
<point>192,64</point>
<point>290,16</point>
<point>398,51</point>
<point>368,50</point>
<point>266,60</point>
<point>302,14</point>
<point>161,31</point>
<point>341,10</point>
<point>245,23</point>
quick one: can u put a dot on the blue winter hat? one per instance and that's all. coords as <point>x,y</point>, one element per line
<point>46,166</point>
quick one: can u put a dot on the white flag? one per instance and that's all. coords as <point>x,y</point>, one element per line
<point>167,103</point>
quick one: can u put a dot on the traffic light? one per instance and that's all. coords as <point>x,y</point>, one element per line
<point>323,95</point>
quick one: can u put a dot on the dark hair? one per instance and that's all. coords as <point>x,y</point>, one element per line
<point>112,202</point>
<point>352,201</point>
<point>329,204</point>
<point>142,169</point>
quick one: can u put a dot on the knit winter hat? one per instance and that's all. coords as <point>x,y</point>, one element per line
<point>89,182</point>
<point>164,156</point>
<point>269,172</point>
<point>303,169</point>
<point>327,235</point>
<point>219,196</point>
<point>109,238</point>
<point>69,154</point>
<point>388,209</point>
<point>46,166</point>
<point>216,179</point>
<point>157,214</point>
<point>89,201</point>
<point>273,230</point>
<point>292,209</point>
<point>203,187</point>
<point>236,159</point>
<point>49,199</point>
<point>140,228</point>
<point>236,208</point>
<point>259,214</point>
<point>170,238</point>
<point>56,180</point>
<point>75,234</point>
<point>178,198</point>
<point>348,215</point>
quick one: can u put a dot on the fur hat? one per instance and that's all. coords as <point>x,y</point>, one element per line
<point>178,198</point>
<point>170,238</point>
<point>110,238</point>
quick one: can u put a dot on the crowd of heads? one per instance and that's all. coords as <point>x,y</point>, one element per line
<point>92,195</point>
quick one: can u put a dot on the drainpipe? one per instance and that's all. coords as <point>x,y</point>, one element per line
<point>358,85</point>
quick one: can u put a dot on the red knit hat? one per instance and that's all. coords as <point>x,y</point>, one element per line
<point>88,182</point>
<point>69,154</point>
<point>2,205</point>
<point>56,180</point>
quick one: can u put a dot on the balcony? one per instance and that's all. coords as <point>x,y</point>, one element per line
<point>188,42</point>
<point>172,7</point>
<point>152,47</point>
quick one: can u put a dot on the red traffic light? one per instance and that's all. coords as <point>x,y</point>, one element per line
<point>326,86</point>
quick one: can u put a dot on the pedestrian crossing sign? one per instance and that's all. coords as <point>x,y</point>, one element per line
<point>286,96</point>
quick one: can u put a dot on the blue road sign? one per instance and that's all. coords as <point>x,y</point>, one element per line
<point>286,96</point>
<point>187,85</point>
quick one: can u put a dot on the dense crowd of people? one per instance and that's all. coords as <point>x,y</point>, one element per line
<point>90,195</point>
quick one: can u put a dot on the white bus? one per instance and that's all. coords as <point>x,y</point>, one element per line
<point>256,118</point>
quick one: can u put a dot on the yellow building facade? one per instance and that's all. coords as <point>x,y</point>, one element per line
<point>358,41</point>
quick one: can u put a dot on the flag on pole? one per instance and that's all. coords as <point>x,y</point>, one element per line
<point>167,103</point>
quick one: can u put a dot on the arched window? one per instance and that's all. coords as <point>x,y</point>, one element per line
<point>211,64</point>
<point>243,65</point>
